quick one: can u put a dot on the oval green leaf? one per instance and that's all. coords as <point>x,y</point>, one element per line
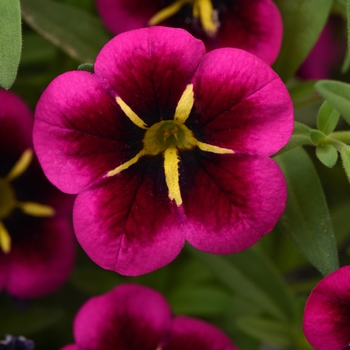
<point>76,32</point>
<point>306,220</point>
<point>337,94</point>
<point>252,277</point>
<point>10,41</point>
<point>303,21</point>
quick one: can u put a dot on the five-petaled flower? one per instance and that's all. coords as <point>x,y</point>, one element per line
<point>327,312</point>
<point>133,317</point>
<point>254,25</point>
<point>37,244</point>
<point>165,143</point>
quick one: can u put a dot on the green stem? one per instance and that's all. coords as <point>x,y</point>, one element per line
<point>343,136</point>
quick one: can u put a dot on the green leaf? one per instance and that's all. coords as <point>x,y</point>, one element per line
<point>318,137</point>
<point>345,157</point>
<point>327,155</point>
<point>76,32</point>
<point>303,21</point>
<point>252,277</point>
<point>348,23</point>
<point>327,118</point>
<point>304,93</point>
<point>300,136</point>
<point>306,220</point>
<point>10,41</point>
<point>267,331</point>
<point>88,67</point>
<point>337,94</point>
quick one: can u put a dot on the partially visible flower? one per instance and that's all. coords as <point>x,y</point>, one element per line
<point>327,313</point>
<point>165,143</point>
<point>134,317</point>
<point>254,25</point>
<point>36,238</point>
<point>16,343</point>
<point>326,56</point>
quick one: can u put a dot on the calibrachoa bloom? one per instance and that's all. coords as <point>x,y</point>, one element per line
<point>133,317</point>
<point>36,237</point>
<point>254,25</point>
<point>327,313</point>
<point>165,143</point>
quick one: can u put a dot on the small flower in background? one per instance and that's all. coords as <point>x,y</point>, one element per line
<point>134,317</point>
<point>328,53</point>
<point>165,143</point>
<point>37,245</point>
<point>16,343</point>
<point>327,313</point>
<point>254,25</point>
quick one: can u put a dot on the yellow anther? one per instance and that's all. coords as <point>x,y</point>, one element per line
<point>127,164</point>
<point>5,239</point>
<point>185,104</point>
<point>171,169</point>
<point>131,114</point>
<point>21,166</point>
<point>203,9</point>
<point>167,12</point>
<point>214,149</point>
<point>36,209</point>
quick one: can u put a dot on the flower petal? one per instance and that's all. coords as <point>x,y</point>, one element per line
<point>240,103</point>
<point>147,73</point>
<point>79,131</point>
<point>253,26</point>
<point>232,201</point>
<point>16,123</point>
<point>192,334</point>
<point>128,224</point>
<point>130,317</point>
<point>326,317</point>
<point>41,256</point>
<point>121,16</point>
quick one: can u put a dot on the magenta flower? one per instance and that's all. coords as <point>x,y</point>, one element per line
<point>165,143</point>
<point>254,25</point>
<point>36,238</point>
<point>133,317</point>
<point>327,312</point>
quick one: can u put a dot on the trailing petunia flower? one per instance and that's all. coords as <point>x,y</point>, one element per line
<point>134,317</point>
<point>254,25</point>
<point>165,143</point>
<point>37,245</point>
<point>327,312</point>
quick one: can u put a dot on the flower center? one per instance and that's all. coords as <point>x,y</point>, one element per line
<point>168,134</point>
<point>168,137</point>
<point>8,201</point>
<point>202,10</point>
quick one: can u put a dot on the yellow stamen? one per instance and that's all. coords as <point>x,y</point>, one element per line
<point>211,148</point>
<point>131,114</point>
<point>5,239</point>
<point>185,104</point>
<point>127,164</point>
<point>21,166</point>
<point>167,12</point>
<point>171,169</point>
<point>36,209</point>
<point>203,9</point>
